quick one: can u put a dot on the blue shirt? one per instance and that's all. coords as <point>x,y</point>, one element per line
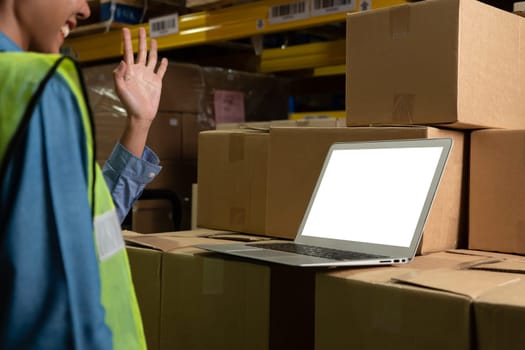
<point>125,174</point>
<point>49,280</point>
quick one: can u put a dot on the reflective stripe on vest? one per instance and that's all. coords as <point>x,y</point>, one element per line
<point>118,296</point>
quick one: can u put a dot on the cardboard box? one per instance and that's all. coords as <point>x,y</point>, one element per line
<point>146,257</point>
<point>453,62</point>
<point>145,267</point>
<point>497,194</point>
<point>193,108</point>
<point>500,313</point>
<point>214,303</point>
<point>154,215</point>
<point>261,183</point>
<point>232,178</point>
<point>219,95</point>
<point>426,304</point>
<point>234,303</point>
<point>165,135</point>
<point>296,158</point>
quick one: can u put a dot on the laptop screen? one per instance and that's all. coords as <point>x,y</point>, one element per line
<point>372,195</point>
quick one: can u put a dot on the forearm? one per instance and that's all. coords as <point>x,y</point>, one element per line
<point>135,135</point>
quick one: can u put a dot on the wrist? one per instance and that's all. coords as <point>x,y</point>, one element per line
<point>139,124</point>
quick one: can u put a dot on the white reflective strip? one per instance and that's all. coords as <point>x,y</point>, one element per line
<point>108,235</point>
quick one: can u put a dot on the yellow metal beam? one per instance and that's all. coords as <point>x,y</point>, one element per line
<point>330,70</point>
<point>230,23</point>
<point>317,115</point>
<point>304,56</point>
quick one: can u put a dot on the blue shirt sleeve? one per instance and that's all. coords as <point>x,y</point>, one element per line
<point>127,175</point>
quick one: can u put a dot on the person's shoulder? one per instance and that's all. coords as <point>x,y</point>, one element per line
<point>25,59</point>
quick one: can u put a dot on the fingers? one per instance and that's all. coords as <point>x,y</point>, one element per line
<point>128,47</point>
<point>119,74</point>
<point>142,54</point>
<point>162,68</point>
<point>152,57</point>
<point>143,50</point>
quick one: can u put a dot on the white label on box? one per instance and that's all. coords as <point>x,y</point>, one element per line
<point>229,106</point>
<point>164,25</point>
<point>365,5</point>
<point>289,12</point>
<point>324,7</point>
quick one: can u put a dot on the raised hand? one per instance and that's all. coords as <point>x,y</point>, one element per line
<point>137,83</point>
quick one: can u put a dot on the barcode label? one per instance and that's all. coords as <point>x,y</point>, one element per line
<point>323,7</point>
<point>164,25</point>
<point>288,12</point>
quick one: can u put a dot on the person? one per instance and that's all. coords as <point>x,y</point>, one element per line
<point>64,276</point>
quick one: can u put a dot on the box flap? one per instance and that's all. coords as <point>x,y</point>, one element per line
<point>470,283</point>
<point>434,261</point>
<point>501,256</point>
<point>239,237</point>
<point>512,266</point>
<point>166,243</point>
<point>154,242</point>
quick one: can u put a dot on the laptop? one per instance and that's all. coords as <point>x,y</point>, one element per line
<point>369,207</point>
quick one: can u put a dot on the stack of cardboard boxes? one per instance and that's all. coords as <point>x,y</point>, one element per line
<point>458,64</point>
<point>438,68</point>
<point>194,98</point>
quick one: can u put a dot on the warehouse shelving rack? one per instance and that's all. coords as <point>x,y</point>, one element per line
<point>241,21</point>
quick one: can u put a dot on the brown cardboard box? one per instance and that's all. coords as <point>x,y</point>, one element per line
<point>165,135</point>
<point>183,88</point>
<point>497,194</point>
<point>145,267</point>
<point>241,190</point>
<point>257,90</point>
<point>500,313</point>
<point>454,62</point>
<point>200,90</point>
<point>155,215</point>
<point>296,158</point>
<point>212,302</point>
<point>146,257</point>
<point>426,304</point>
<point>108,131</point>
<point>232,178</point>
<point>227,304</point>
<point>202,300</point>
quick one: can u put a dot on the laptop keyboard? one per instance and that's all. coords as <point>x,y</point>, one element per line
<point>320,252</point>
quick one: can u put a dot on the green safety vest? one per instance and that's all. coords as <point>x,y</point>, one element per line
<point>122,313</point>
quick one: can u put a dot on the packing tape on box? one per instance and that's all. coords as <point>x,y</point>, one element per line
<point>236,147</point>
<point>212,276</point>
<point>403,108</point>
<point>237,216</point>
<point>399,21</point>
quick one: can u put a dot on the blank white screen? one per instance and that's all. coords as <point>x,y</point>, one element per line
<point>372,195</point>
